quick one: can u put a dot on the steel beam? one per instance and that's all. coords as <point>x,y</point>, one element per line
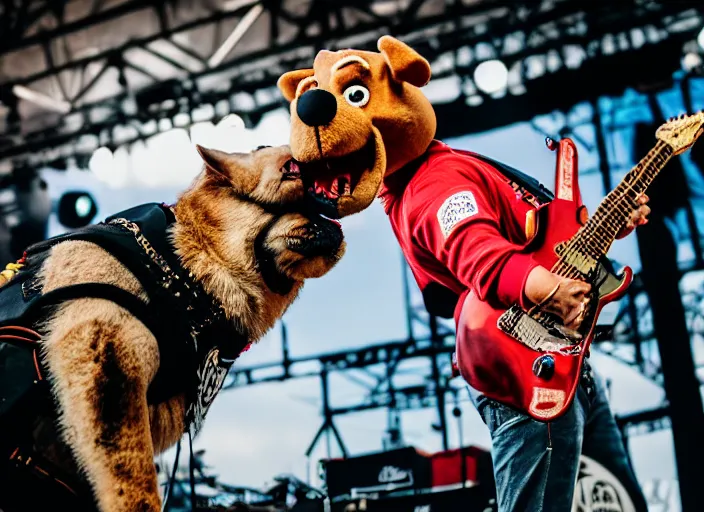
<point>446,39</point>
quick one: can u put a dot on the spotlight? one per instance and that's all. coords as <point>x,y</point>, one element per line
<point>76,209</point>
<point>691,61</point>
<point>491,76</point>
<point>700,39</point>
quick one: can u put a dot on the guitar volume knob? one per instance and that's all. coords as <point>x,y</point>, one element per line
<point>544,367</point>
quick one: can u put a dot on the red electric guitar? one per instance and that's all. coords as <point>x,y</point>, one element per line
<point>528,359</point>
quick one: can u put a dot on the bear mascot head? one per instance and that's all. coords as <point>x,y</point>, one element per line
<point>357,117</point>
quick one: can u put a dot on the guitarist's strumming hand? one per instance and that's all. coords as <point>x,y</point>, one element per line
<point>567,298</point>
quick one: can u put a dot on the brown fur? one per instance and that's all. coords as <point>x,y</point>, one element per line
<point>398,118</point>
<point>101,359</point>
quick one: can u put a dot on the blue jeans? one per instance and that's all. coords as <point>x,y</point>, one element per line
<point>536,464</point>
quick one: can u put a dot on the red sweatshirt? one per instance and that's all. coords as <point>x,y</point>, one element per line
<point>461,224</point>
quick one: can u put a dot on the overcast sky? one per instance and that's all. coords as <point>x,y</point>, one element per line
<point>257,432</point>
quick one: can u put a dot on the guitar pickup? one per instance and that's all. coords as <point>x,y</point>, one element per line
<point>527,330</point>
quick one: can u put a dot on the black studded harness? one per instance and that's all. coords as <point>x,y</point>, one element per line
<point>197,343</point>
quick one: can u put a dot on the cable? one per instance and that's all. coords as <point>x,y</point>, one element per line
<point>191,471</point>
<point>170,483</point>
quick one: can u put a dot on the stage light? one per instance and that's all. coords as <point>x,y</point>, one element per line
<point>491,76</point>
<point>101,161</point>
<point>83,206</point>
<point>700,39</point>
<point>76,209</point>
<point>691,61</point>
<point>110,168</point>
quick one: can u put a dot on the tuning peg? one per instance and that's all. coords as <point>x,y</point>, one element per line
<point>550,143</point>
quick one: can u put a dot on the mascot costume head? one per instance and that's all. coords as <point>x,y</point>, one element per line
<point>357,117</point>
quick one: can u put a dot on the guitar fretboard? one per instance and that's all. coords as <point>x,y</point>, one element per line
<point>594,239</point>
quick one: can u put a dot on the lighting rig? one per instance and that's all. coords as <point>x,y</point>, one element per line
<point>506,58</point>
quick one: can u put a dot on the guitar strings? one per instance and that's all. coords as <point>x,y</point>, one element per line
<point>583,245</point>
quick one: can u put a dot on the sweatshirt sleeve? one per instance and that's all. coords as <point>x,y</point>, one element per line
<point>461,228</point>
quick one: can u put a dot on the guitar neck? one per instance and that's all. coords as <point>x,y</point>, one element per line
<point>594,239</point>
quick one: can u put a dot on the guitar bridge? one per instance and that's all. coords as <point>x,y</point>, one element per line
<point>542,336</point>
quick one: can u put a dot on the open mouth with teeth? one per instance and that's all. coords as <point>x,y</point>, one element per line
<point>331,180</point>
<point>322,234</point>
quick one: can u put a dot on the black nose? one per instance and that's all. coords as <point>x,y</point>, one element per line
<point>316,107</point>
<point>324,239</point>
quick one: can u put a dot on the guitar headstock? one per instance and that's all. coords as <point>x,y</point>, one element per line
<point>681,132</point>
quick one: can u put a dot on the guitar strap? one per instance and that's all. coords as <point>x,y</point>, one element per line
<point>524,182</point>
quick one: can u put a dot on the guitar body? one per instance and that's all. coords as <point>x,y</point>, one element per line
<point>540,382</point>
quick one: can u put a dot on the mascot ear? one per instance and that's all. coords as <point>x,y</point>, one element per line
<point>406,64</point>
<point>288,82</point>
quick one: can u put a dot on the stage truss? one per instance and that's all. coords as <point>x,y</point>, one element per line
<point>114,73</point>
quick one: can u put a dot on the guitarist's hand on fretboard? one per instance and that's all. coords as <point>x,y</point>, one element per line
<point>566,298</point>
<point>639,217</point>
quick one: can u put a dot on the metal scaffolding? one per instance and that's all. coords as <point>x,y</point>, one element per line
<point>548,46</point>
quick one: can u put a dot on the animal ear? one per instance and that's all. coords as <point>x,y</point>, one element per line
<point>406,64</point>
<point>217,162</point>
<point>288,82</point>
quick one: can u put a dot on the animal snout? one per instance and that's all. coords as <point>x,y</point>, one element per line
<point>316,107</point>
<point>322,238</point>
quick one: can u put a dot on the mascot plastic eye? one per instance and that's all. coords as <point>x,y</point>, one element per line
<point>357,95</point>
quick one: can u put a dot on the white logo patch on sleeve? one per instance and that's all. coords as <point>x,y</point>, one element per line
<point>456,208</point>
